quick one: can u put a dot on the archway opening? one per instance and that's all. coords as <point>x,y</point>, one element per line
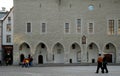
<point>58,53</point>
<point>92,53</point>
<point>24,50</point>
<point>110,53</point>
<point>75,53</point>
<point>41,54</point>
<point>40,59</point>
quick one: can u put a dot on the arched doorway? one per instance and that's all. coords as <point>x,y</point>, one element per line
<point>75,53</point>
<point>40,59</point>
<point>24,50</point>
<point>58,53</point>
<point>92,53</point>
<point>110,52</point>
<point>41,54</point>
<point>22,57</point>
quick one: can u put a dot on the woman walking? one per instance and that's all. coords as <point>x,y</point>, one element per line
<point>105,64</point>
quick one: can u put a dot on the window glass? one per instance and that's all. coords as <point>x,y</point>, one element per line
<point>111,27</point>
<point>43,27</point>
<point>119,27</point>
<point>8,27</point>
<point>28,27</point>
<point>66,27</point>
<point>78,25</point>
<point>8,38</point>
<point>91,29</point>
<point>91,7</point>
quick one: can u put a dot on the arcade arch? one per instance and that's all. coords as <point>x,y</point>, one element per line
<point>75,53</point>
<point>92,52</point>
<point>58,53</point>
<point>110,52</point>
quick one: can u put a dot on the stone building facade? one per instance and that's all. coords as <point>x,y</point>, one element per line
<point>66,31</point>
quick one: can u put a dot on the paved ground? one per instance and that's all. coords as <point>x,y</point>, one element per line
<point>57,71</point>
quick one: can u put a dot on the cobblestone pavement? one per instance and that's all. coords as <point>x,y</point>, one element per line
<point>57,71</point>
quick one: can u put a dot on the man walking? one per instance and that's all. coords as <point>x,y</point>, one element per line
<point>99,64</point>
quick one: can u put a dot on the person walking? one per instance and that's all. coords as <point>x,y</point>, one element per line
<point>105,64</point>
<point>30,60</point>
<point>99,64</point>
<point>23,62</point>
<point>27,62</point>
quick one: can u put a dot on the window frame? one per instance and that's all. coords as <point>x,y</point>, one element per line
<point>8,39</point>
<point>77,26</point>
<point>66,29</point>
<point>93,30</point>
<point>8,30</point>
<point>108,30</point>
<point>41,29</point>
<point>118,26</point>
<point>91,7</point>
<point>27,27</point>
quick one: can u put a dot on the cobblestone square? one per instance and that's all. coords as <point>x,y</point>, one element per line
<point>57,71</point>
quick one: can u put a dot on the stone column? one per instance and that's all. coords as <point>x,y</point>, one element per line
<point>66,54</point>
<point>50,57</point>
<point>66,57</point>
<point>84,49</point>
<point>84,53</point>
<point>16,56</point>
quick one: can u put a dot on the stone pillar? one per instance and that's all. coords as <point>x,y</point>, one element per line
<point>66,57</point>
<point>118,57</point>
<point>50,57</point>
<point>16,57</point>
<point>84,49</point>
<point>84,53</point>
<point>66,54</point>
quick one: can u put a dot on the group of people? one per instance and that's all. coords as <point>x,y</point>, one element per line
<point>102,63</point>
<point>27,62</point>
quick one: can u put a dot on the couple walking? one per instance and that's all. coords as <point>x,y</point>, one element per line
<point>27,61</point>
<point>102,63</point>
